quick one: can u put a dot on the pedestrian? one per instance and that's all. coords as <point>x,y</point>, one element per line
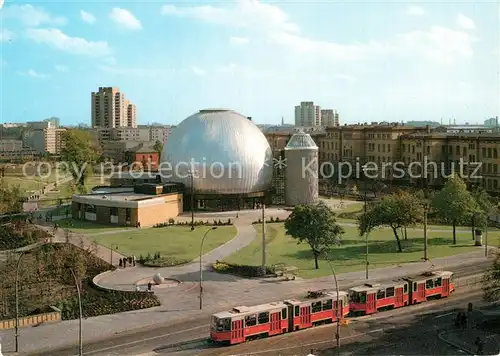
<point>130,260</point>
<point>120,263</point>
<point>149,286</point>
<point>480,345</point>
<point>134,259</point>
<point>124,262</point>
<point>464,321</point>
<point>137,288</point>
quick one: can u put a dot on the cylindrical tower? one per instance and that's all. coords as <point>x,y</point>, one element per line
<point>301,177</point>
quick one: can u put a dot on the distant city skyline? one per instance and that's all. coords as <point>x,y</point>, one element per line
<point>370,61</point>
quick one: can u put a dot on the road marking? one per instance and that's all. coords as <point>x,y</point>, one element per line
<point>144,340</point>
<point>443,315</point>
<point>314,343</point>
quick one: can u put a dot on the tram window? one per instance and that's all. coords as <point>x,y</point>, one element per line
<point>316,307</point>
<point>429,284</point>
<point>437,282</point>
<point>221,324</point>
<point>345,300</point>
<point>327,304</point>
<point>405,288</point>
<point>362,298</point>
<point>389,292</point>
<point>297,311</point>
<point>414,286</point>
<point>250,320</point>
<point>381,294</point>
<point>263,318</point>
<point>283,313</point>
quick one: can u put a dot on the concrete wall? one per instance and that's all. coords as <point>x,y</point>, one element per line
<point>151,215</point>
<point>52,317</point>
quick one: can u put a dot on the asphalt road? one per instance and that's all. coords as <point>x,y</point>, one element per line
<point>189,337</point>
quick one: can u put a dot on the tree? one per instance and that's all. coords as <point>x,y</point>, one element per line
<point>483,210</point>
<point>397,210</point>
<point>80,152</point>
<point>158,146</point>
<point>454,203</point>
<point>315,225</point>
<point>491,281</point>
<point>11,199</point>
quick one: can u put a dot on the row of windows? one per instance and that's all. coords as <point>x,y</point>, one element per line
<point>380,147</point>
<point>261,318</point>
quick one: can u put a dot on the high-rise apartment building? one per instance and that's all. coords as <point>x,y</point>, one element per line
<point>44,140</point>
<point>307,114</point>
<point>111,109</point>
<point>329,117</point>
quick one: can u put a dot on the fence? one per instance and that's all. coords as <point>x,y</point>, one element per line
<point>51,317</point>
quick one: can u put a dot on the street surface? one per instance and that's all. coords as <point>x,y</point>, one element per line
<point>190,336</point>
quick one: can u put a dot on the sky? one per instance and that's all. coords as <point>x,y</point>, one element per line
<point>371,61</point>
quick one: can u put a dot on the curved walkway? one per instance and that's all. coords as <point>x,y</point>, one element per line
<point>126,278</point>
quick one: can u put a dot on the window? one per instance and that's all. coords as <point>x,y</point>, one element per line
<point>489,152</point>
<point>381,294</point>
<point>250,320</point>
<point>327,304</point>
<point>429,284</point>
<point>484,152</point>
<point>264,318</point>
<point>283,313</point>
<point>389,292</point>
<point>128,212</point>
<point>221,324</point>
<point>316,307</point>
<point>437,282</point>
<point>495,153</point>
<point>457,150</point>
<point>405,288</point>
<point>414,286</point>
<point>297,311</point>
<point>113,211</point>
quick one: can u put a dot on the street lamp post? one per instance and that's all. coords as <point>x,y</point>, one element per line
<point>191,174</point>
<point>80,334</point>
<point>201,266</point>
<point>425,233</point>
<point>337,335</point>
<point>17,298</point>
<point>367,263</point>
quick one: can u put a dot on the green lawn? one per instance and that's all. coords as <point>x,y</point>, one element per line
<point>89,228</point>
<point>177,241</point>
<point>350,256</point>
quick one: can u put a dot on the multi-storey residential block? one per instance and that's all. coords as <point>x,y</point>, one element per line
<point>307,114</point>
<point>46,140</point>
<point>111,109</point>
<point>329,117</point>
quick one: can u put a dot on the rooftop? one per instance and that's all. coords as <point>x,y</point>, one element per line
<point>301,140</point>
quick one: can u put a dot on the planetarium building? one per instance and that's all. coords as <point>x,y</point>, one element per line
<point>221,158</point>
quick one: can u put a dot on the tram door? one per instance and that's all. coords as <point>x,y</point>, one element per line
<point>446,287</point>
<point>305,316</point>
<point>371,303</point>
<point>275,327</point>
<point>237,335</point>
<point>399,297</point>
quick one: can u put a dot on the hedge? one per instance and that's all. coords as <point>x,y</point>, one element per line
<point>241,270</point>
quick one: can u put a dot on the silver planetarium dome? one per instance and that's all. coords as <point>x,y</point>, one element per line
<point>226,151</point>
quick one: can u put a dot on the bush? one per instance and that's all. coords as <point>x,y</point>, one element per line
<point>241,270</point>
<point>96,301</point>
<point>19,234</point>
<point>156,260</point>
<point>271,220</point>
<point>171,221</point>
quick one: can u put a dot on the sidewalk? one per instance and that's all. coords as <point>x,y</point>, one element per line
<point>465,340</point>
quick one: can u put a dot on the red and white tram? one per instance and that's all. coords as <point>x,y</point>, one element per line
<point>243,323</point>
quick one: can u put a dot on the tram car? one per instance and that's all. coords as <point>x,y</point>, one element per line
<point>320,307</point>
<point>245,323</point>
<point>371,298</point>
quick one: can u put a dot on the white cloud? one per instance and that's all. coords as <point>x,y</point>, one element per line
<point>125,18</point>
<point>437,43</point>
<point>75,45</point>
<point>197,70</point>
<point>32,16</point>
<point>87,17</point>
<point>245,14</point>
<point>32,73</point>
<point>415,11</point>
<point>61,68</point>
<point>6,35</point>
<point>238,41</point>
<point>465,22</point>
